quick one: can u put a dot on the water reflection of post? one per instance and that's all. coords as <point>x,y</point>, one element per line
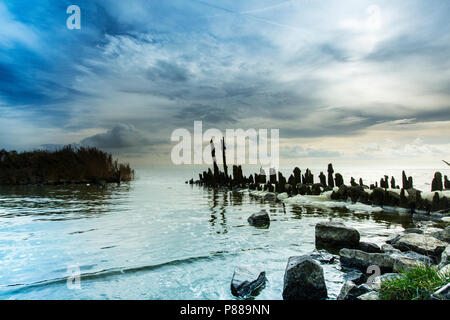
<point>214,205</point>
<point>223,211</point>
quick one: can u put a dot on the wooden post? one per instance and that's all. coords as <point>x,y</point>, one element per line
<point>213,155</point>
<point>225,168</point>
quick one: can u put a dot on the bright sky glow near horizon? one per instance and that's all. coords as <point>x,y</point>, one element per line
<point>351,82</point>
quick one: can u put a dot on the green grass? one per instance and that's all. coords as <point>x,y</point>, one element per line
<point>417,283</point>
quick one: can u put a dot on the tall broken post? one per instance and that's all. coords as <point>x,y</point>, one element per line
<point>213,155</point>
<point>225,168</point>
<point>330,176</point>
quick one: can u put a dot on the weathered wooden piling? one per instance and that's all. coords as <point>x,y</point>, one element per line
<point>436,184</point>
<point>330,176</point>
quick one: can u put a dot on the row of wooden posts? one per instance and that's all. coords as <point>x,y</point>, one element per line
<point>218,178</point>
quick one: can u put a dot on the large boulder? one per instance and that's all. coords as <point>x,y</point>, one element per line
<point>350,291</point>
<point>260,219</point>
<point>304,280</point>
<point>352,258</point>
<point>336,235</point>
<point>421,243</point>
<point>247,282</point>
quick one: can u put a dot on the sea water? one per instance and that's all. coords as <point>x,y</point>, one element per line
<point>159,238</point>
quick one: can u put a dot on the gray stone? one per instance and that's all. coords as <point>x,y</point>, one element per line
<point>387,248</point>
<point>421,243</point>
<point>246,282</point>
<point>323,256</point>
<point>392,239</point>
<point>414,230</point>
<point>260,219</point>
<point>304,280</point>
<point>371,295</point>
<point>336,235</point>
<point>369,247</point>
<point>356,277</point>
<point>350,291</point>
<point>403,263</point>
<point>352,258</point>
<point>270,196</point>
<point>443,235</point>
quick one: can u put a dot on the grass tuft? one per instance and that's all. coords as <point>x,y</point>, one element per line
<point>416,283</point>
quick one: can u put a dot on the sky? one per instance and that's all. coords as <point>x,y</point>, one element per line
<point>354,82</point>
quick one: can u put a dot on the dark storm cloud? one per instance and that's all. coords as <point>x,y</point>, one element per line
<point>120,136</point>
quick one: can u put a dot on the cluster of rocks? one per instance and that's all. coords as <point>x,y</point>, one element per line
<point>304,277</point>
<point>411,248</point>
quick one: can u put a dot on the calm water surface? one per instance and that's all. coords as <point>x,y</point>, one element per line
<point>158,238</point>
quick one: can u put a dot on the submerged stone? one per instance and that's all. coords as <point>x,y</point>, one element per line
<point>247,282</point>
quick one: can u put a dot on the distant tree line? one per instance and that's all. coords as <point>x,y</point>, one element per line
<point>63,166</point>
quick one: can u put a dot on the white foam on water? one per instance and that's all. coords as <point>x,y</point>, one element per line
<point>282,196</point>
<point>429,195</point>
<point>324,201</point>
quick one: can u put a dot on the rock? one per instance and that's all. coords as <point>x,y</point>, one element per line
<point>270,196</point>
<point>336,235</point>
<point>443,293</point>
<point>260,219</point>
<point>421,243</point>
<point>369,247</point>
<point>322,256</point>
<point>371,295</point>
<point>356,277</point>
<point>417,256</point>
<point>443,235</point>
<point>403,263</point>
<point>316,189</point>
<point>414,230</point>
<point>377,196</point>
<point>445,258</point>
<point>350,291</point>
<point>352,258</point>
<point>354,192</point>
<point>392,239</point>
<point>341,193</point>
<point>376,284</point>
<point>387,248</point>
<point>304,280</point>
<point>246,282</point>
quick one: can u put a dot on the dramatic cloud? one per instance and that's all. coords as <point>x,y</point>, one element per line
<point>120,136</point>
<point>335,77</point>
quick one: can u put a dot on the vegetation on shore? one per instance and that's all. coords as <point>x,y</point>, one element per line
<point>66,165</point>
<point>416,283</point>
